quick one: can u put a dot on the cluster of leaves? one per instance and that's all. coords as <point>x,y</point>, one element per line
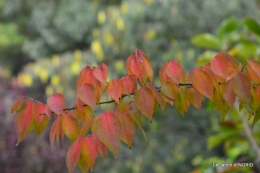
<point>223,80</point>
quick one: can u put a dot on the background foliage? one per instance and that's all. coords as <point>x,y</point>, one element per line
<point>44,45</point>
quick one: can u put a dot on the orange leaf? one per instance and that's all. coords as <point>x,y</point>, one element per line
<point>17,104</point>
<point>253,68</point>
<point>115,89</point>
<point>195,97</point>
<point>107,127</point>
<point>203,82</point>
<point>128,128</point>
<point>192,73</point>
<point>87,94</point>
<point>129,84</point>
<point>70,126</point>
<point>102,149</point>
<point>85,76</point>
<point>23,120</point>
<point>57,103</point>
<point>156,94</point>
<point>85,126</point>
<point>229,94</point>
<point>89,151</point>
<point>224,65</point>
<point>100,73</point>
<point>175,72</point>
<point>242,86</point>
<point>73,155</point>
<point>56,131</point>
<point>145,101</point>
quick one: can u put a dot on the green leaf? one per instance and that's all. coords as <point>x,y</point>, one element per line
<point>227,26</point>
<point>252,25</point>
<point>206,41</point>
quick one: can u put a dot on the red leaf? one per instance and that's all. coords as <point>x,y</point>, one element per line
<point>224,65</point>
<point>107,127</point>
<point>101,148</point>
<point>23,120</point>
<point>175,72</point>
<point>89,151</point>
<point>242,86</point>
<point>229,94</point>
<point>57,103</point>
<point>253,68</point>
<point>115,89</point>
<point>47,111</point>
<point>88,95</point>
<point>17,104</point>
<point>162,74</point>
<point>56,131</point>
<point>203,82</point>
<point>192,73</point>
<point>128,128</point>
<point>70,126</point>
<point>73,155</point>
<point>100,73</point>
<point>145,101</point>
<point>85,126</point>
<point>129,84</point>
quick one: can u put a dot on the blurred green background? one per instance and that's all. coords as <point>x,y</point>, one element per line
<point>45,43</point>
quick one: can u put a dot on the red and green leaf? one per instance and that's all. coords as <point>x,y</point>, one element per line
<point>100,73</point>
<point>40,119</point>
<point>17,103</point>
<point>70,126</point>
<point>89,151</point>
<point>108,128</point>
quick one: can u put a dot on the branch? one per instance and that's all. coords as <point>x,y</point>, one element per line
<point>250,138</point>
<point>111,101</point>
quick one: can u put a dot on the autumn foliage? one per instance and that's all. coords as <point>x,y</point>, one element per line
<point>224,81</point>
